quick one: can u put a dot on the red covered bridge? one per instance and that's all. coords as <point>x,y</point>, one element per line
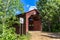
<point>32,21</point>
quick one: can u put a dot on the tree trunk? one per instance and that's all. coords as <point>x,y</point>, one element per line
<point>49,26</point>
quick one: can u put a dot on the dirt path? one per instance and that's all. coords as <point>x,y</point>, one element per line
<point>37,35</point>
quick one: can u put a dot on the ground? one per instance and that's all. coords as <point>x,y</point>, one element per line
<point>38,35</point>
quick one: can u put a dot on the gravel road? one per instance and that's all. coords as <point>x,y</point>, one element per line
<point>37,35</point>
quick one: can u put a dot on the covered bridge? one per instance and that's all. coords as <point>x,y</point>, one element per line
<point>31,22</point>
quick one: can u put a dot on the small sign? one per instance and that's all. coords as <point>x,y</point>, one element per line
<point>21,20</point>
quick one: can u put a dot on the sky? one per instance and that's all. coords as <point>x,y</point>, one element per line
<point>28,5</point>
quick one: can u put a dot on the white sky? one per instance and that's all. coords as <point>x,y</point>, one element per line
<point>32,7</point>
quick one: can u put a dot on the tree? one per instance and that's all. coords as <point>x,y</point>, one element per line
<point>8,17</point>
<point>50,14</point>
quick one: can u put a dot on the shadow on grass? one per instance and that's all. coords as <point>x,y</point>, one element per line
<point>52,35</point>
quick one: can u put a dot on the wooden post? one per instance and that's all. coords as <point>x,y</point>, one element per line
<point>21,22</point>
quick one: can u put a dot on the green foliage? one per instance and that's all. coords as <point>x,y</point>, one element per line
<point>8,35</point>
<point>50,14</point>
<point>8,18</point>
<point>24,37</point>
<point>1,29</point>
